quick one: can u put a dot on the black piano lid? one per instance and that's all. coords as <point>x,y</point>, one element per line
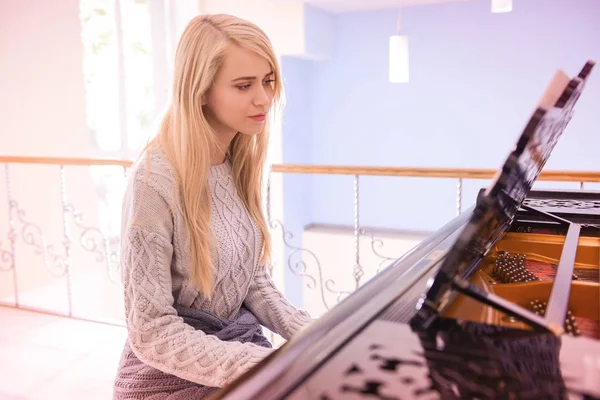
<point>498,205</point>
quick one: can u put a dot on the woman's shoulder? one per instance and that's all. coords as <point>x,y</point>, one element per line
<point>153,170</point>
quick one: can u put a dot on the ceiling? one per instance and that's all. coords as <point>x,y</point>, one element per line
<point>341,6</point>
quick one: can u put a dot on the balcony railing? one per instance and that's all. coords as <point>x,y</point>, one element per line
<point>61,254</point>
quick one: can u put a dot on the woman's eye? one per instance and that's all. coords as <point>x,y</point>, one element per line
<point>248,85</point>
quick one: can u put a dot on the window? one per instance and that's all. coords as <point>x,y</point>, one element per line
<point>123,62</point>
<point>119,73</point>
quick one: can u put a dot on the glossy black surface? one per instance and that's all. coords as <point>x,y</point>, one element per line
<point>401,285</point>
<point>366,349</point>
<point>578,206</point>
<point>453,360</point>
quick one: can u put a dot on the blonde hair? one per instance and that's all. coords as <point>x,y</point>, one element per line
<point>188,140</point>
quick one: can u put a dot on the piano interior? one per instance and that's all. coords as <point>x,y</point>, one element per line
<point>531,250</point>
<point>522,266</point>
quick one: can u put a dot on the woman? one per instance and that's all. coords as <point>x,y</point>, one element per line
<point>194,240</point>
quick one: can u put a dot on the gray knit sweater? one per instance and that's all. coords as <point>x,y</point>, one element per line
<point>156,278</point>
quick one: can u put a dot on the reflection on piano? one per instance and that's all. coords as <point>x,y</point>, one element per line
<point>501,302</point>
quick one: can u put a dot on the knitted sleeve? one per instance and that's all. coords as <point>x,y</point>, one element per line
<point>272,309</point>
<point>157,336</point>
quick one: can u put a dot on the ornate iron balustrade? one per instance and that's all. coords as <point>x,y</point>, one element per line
<point>327,286</point>
<point>57,254</point>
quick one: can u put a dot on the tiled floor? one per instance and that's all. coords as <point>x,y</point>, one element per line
<point>55,358</point>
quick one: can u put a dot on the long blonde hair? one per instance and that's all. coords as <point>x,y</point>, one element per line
<point>187,139</point>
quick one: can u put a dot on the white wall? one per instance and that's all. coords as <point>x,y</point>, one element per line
<point>283,22</point>
<point>42,110</point>
<point>41,79</point>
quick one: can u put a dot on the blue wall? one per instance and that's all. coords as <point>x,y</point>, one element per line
<point>475,79</point>
<point>297,149</point>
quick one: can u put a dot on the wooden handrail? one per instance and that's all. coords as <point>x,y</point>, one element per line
<point>65,161</point>
<point>464,173</point>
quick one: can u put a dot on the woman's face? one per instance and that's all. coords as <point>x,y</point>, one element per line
<point>241,95</point>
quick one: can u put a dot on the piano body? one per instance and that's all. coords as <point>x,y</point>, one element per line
<point>501,302</point>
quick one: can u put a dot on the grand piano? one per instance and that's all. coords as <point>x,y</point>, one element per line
<point>501,302</point>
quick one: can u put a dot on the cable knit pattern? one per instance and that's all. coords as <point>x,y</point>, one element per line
<point>272,309</point>
<point>156,270</point>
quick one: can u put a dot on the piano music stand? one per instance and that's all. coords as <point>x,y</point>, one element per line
<point>497,207</point>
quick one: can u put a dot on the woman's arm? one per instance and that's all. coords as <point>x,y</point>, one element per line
<point>271,307</point>
<point>157,336</point>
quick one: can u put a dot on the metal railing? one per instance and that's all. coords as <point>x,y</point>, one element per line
<point>58,260</point>
<point>460,174</point>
